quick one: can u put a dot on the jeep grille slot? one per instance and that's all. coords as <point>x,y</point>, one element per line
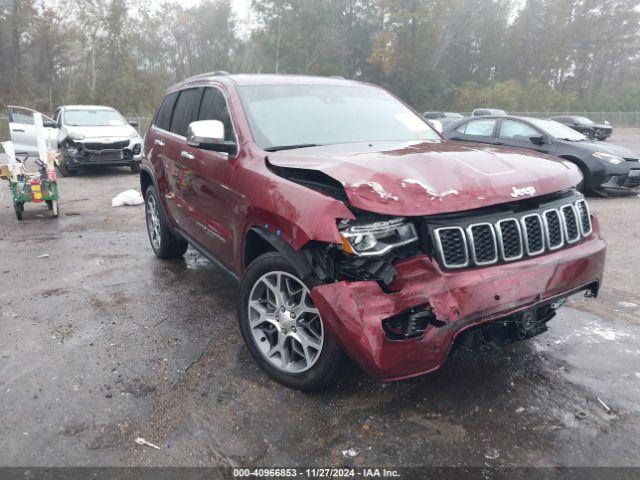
<point>452,247</point>
<point>510,239</point>
<point>534,234</point>
<point>585,217</point>
<point>487,239</point>
<point>570,223</point>
<point>553,229</point>
<point>482,241</point>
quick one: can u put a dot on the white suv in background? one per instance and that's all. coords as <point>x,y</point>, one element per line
<point>87,135</point>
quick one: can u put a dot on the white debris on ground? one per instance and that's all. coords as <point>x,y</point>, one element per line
<point>429,189</point>
<point>129,197</point>
<point>627,304</point>
<point>376,187</point>
<point>350,452</point>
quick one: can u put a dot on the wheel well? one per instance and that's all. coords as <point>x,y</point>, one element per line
<point>145,181</point>
<point>579,163</point>
<point>254,246</point>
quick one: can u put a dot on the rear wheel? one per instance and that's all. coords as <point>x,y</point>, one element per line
<point>19,208</point>
<point>165,244</point>
<point>53,206</point>
<point>283,329</point>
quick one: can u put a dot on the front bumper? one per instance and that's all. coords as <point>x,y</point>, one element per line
<point>78,155</point>
<point>623,177</point>
<point>353,312</point>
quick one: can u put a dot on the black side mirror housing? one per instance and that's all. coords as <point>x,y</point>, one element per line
<point>134,123</point>
<point>538,139</point>
<point>50,124</point>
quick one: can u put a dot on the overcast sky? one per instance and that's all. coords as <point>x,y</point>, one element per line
<point>241,7</point>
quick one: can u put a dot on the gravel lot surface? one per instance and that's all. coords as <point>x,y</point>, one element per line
<point>101,343</point>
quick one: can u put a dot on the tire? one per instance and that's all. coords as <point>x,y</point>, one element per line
<point>19,208</point>
<point>321,367</point>
<point>55,210</point>
<point>64,170</point>
<point>165,244</point>
<point>135,168</point>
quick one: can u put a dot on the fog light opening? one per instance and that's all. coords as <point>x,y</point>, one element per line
<point>411,323</point>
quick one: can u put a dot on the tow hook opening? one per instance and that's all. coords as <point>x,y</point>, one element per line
<point>507,330</point>
<point>411,323</point>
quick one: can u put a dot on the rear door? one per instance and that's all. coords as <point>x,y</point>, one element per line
<point>480,130</point>
<point>23,130</point>
<point>178,163</point>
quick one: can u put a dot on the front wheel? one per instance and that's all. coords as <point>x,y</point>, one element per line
<point>64,170</point>
<point>283,329</point>
<point>135,168</point>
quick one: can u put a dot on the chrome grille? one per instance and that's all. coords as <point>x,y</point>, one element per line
<point>509,239</point>
<point>482,240</point>
<point>553,229</point>
<point>570,223</point>
<point>453,247</point>
<point>585,217</point>
<point>512,238</point>
<point>534,234</point>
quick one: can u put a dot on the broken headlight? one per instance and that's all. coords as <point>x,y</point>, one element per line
<point>377,238</point>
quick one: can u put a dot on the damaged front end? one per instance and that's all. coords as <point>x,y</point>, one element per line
<point>399,291</point>
<point>78,151</point>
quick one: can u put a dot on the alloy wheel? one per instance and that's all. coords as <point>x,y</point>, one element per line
<point>153,223</point>
<point>284,322</point>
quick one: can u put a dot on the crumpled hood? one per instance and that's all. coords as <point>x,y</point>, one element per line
<point>427,178</point>
<point>109,131</point>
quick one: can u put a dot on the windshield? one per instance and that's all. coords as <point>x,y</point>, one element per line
<point>93,118</point>
<point>583,120</point>
<point>306,115</point>
<point>558,130</point>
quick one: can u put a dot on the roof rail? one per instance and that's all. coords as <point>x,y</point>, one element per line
<point>215,73</point>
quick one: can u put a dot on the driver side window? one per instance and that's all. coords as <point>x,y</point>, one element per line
<point>478,128</point>
<point>514,130</point>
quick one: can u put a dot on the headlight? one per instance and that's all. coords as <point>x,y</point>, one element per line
<point>607,157</point>
<point>134,135</point>
<point>75,136</point>
<point>378,238</point>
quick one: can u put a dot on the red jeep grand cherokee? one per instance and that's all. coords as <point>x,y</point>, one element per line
<point>355,228</point>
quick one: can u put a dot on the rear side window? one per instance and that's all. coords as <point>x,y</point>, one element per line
<point>185,111</point>
<point>163,120</point>
<point>214,107</point>
<point>478,128</point>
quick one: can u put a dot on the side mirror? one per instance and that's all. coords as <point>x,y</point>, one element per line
<point>209,135</point>
<point>134,123</point>
<point>50,124</point>
<point>538,139</point>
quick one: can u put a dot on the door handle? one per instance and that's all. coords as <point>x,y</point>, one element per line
<point>187,155</point>
<point>18,130</point>
<point>158,142</point>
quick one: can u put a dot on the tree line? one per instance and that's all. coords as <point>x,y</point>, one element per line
<point>531,55</point>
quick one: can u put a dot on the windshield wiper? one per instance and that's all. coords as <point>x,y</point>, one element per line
<point>291,147</point>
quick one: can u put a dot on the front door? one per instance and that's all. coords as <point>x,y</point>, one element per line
<point>24,134</point>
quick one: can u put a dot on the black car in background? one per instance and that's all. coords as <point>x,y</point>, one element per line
<point>586,126</point>
<point>603,165</point>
